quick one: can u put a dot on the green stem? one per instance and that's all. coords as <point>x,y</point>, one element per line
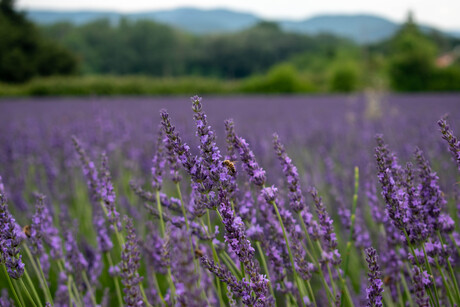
<point>44,281</point>
<point>32,286</point>
<point>316,261</point>
<point>120,239</point>
<point>76,291</point>
<point>430,271</point>
<point>455,244</point>
<point>69,284</point>
<point>90,289</point>
<point>406,289</point>
<point>16,288</point>
<point>231,265</point>
<point>115,280</point>
<point>15,295</point>
<point>436,303</point>
<point>155,281</point>
<point>184,213</point>
<point>21,282</point>
<point>160,212</point>
<point>264,264</point>
<point>323,277</point>
<point>400,297</point>
<point>70,293</point>
<point>353,219</point>
<point>40,275</point>
<point>451,271</point>
<point>216,258</point>
<point>291,258</point>
<point>141,287</point>
<point>171,283</point>
<point>446,285</point>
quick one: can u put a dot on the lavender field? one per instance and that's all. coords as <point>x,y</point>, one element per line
<point>230,201</point>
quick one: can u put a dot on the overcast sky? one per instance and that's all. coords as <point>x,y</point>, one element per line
<point>443,14</point>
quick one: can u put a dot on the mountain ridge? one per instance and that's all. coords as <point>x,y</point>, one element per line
<point>361,28</point>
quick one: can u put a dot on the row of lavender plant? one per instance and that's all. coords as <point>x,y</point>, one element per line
<point>216,229</point>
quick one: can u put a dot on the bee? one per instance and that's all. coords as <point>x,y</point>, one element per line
<point>198,253</point>
<point>230,166</point>
<point>387,280</point>
<point>26,230</point>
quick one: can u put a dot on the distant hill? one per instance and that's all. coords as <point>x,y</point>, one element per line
<point>360,28</point>
<point>454,33</point>
<point>193,20</point>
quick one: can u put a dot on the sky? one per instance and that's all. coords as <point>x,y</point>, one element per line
<point>443,14</point>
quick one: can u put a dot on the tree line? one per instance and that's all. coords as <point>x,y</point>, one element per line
<point>268,58</point>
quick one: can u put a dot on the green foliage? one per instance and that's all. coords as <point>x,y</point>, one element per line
<point>280,79</point>
<point>24,53</point>
<point>344,79</point>
<point>412,63</point>
<point>115,85</point>
<point>148,48</point>
<point>446,79</point>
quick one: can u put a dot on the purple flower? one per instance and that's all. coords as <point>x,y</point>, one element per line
<point>375,287</point>
<point>183,270</point>
<point>331,254</point>
<point>394,194</point>
<point>158,162</point>
<point>232,154</point>
<point>181,149</point>
<point>11,237</point>
<point>108,194</point>
<point>296,200</point>
<point>452,141</point>
<point>43,230</point>
<point>61,296</point>
<point>240,289</point>
<point>236,238</point>
<point>173,160</point>
<point>432,198</point>
<point>103,238</point>
<point>421,280</point>
<point>75,262</point>
<point>269,193</point>
<point>5,300</point>
<point>130,262</point>
<point>89,170</point>
<point>255,172</point>
<point>372,199</point>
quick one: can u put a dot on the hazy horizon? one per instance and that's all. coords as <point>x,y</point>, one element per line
<point>441,14</point>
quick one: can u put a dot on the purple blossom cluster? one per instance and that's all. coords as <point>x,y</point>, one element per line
<point>129,266</point>
<point>10,240</point>
<point>375,288</point>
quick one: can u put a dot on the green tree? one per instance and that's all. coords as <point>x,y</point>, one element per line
<point>24,53</point>
<point>412,59</point>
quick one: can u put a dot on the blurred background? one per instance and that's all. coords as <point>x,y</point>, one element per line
<point>50,47</point>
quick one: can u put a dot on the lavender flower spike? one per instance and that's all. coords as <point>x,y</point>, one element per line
<point>10,239</point>
<point>89,170</point>
<point>250,165</point>
<point>130,262</point>
<point>327,230</point>
<point>108,193</point>
<point>237,240</point>
<point>296,199</point>
<point>421,280</point>
<point>452,141</point>
<point>158,162</point>
<point>375,288</point>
